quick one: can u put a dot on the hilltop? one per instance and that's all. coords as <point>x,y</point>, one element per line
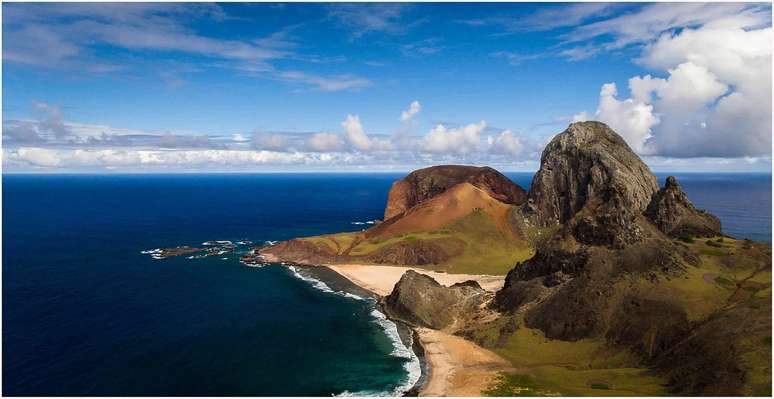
<point>450,218</point>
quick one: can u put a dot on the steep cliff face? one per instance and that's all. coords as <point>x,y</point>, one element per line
<point>672,212</point>
<point>424,184</point>
<point>591,182</point>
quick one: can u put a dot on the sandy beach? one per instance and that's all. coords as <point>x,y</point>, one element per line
<point>381,279</point>
<point>457,367</point>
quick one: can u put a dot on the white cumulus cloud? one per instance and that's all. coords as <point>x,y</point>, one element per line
<point>358,139</point>
<point>456,140</point>
<point>411,112</point>
<point>324,142</point>
<point>631,119</point>
<point>507,143</point>
<point>714,99</point>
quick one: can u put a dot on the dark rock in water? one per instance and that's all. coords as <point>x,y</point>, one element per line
<point>419,300</point>
<point>672,212</point>
<point>423,184</point>
<point>593,183</point>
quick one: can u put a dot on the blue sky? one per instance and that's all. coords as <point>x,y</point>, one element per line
<point>162,87</point>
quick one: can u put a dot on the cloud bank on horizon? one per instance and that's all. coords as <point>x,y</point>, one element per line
<point>197,87</point>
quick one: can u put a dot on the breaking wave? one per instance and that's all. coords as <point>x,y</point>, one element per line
<point>366,222</point>
<point>411,365</point>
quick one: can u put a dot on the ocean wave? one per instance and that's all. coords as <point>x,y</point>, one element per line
<point>366,222</point>
<point>347,394</point>
<point>412,366</point>
<point>322,286</point>
<point>154,253</point>
<point>258,265</point>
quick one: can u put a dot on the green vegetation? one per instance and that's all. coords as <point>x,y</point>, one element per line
<point>507,384</point>
<point>712,252</point>
<point>590,367</point>
<point>687,239</point>
<point>487,249</point>
<point>482,247</point>
<point>724,281</point>
<point>564,367</point>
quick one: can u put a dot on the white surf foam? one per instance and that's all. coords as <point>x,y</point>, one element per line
<point>363,223</point>
<point>254,264</point>
<point>412,366</point>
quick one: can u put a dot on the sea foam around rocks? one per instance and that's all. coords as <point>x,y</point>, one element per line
<point>411,365</point>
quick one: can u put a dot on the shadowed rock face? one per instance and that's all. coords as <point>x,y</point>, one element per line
<point>593,183</point>
<point>420,300</point>
<point>427,183</point>
<point>615,236</point>
<point>672,212</point>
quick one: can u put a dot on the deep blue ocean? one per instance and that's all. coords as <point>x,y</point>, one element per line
<point>85,313</point>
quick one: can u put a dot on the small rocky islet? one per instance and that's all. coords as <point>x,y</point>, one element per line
<point>207,249</point>
<point>611,282</point>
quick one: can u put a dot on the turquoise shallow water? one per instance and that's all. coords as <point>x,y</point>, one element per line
<point>85,313</point>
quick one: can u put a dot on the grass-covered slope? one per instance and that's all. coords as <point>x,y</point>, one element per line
<point>725,295</point>
<point>463,230</point>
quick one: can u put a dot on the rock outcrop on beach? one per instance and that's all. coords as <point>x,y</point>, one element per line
<point>672,212</point>
<point>419,300</point>
<point>424,184</point>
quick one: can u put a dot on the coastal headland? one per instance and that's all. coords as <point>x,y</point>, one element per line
<point>596,281</point>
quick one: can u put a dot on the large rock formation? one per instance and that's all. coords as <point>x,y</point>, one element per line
<point>672,212</point>
<point>423,184</point>
<point>613,271</point>
<point>419,300</point>
<point>593,183</point>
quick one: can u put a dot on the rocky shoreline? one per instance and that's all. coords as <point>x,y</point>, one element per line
<point>408,336</point>
<point>450,365</point>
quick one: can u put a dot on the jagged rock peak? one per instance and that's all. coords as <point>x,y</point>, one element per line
<point>675,215</point>
<point>423,184</point>
<point>588,165</point>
